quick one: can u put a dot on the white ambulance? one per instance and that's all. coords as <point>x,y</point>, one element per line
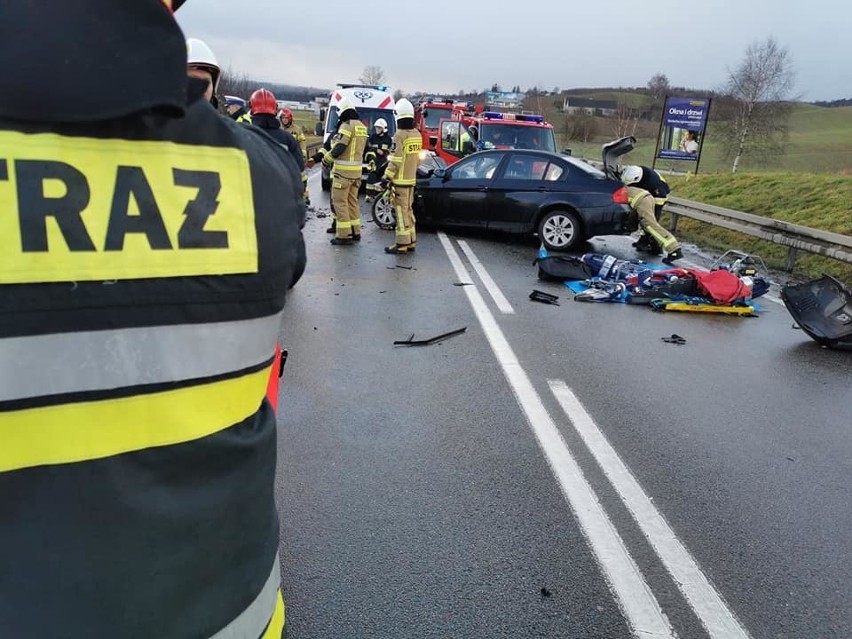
<point>371,101</point>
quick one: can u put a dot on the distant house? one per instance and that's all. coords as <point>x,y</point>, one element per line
<point>605,108</point>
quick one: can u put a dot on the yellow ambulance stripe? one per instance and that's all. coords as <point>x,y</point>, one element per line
<point>91,430</point>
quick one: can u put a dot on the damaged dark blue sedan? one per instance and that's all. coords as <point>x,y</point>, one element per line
<point>563,200</point>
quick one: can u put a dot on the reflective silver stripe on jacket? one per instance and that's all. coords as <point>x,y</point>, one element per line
<point>252,621</point>
<point>40,365</point>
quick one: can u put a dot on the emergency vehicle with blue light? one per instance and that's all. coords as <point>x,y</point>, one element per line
<point>372,103</point>
<point>494,130</point>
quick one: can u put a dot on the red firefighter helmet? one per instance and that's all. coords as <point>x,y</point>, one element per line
<point>262,101</point>
<point>286,114</point>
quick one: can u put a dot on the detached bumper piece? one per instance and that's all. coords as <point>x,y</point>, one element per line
<point>823,309</point>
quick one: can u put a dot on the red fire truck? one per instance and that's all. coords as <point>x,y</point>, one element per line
<point>493,130</point>
<point>429,112</point>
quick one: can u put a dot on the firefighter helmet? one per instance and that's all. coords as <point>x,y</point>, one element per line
<point>631,174</point>
<point>403,109</point>
<point>198,54</point>
<point>262,101</point>
<point>286,113</point>
<point>345,105</point>
<point>381,124</point>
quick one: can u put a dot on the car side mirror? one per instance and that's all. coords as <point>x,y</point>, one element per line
<point>566,151</point>
<point>318,128</point>
<point>440,173</point>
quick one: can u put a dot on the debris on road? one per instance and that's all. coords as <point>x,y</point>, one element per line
<point>674,339</point>
<point>462,283</point>
<point>545,298</point>
<point>432,340</point>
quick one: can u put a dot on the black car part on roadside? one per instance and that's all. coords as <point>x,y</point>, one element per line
<point>823,309</point>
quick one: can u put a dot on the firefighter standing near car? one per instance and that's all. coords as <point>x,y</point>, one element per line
<point>401,172</point>
<point>647,178</point>
<point>378,150</point>
<point>285,117</point>
<point>642,202</point>
<point>344,158</point>
<point>147,250</point>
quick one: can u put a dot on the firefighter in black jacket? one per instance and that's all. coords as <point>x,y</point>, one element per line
<point>378,149</point>
<point>650,180</point>
<point>137,478</point>
<point>264,110</point>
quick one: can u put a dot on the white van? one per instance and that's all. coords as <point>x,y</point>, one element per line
<point>371,101</point>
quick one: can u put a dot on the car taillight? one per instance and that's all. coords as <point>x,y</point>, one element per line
<point>620,196</point>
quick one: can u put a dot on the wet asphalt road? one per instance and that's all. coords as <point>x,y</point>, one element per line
<point>416,500</point>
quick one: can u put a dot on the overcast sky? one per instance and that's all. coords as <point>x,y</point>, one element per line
<point>454,45</point>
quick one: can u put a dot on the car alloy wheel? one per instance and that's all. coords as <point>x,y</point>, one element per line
<point>383,214</point>
<point>559,230</point>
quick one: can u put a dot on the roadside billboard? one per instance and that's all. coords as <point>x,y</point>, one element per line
<point>682,128</point>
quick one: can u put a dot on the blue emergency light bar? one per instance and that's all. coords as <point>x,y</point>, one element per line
<point>493,115</point>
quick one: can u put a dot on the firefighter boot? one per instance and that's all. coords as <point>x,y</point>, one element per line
<point>332,228</point>
<point>341,241</point>
<point>396,249</point>
<point>671,257</point>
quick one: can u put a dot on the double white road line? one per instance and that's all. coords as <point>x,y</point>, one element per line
<point>634,596</point>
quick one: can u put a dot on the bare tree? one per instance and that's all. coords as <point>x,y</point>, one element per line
<point>372,74</point>
<point>625,120</point>
<point>236,83</point>
<point>581,126</point>
<point>658,87</point>
<point>757,107</point>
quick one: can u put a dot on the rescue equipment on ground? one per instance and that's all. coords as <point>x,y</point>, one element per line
<point>729,289</point>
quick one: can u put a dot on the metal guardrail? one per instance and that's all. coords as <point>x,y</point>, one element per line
<point>794,236</point>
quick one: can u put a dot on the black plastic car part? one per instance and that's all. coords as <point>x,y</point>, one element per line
<point>823,309</point>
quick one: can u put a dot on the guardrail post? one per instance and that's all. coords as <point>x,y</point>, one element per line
<point>791,259</point>
<point>673,223</point>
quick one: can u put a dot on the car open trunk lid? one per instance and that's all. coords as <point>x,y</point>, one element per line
<point>614,150</point>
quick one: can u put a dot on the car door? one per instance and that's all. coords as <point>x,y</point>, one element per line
<point>524,183</point>
<point>462,199</point>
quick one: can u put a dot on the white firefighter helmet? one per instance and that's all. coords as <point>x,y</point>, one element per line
<point>403,109</point>
<point>631,174</point>
<point>198,54</point>
<point>381,123</point>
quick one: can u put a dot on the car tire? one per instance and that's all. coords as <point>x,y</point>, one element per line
<point>383,213</point>
<point>560,230</point>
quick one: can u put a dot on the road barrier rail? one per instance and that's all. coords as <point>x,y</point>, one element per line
<point>794,236</point>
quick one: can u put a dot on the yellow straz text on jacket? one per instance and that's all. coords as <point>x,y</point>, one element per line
<point>76,209</point>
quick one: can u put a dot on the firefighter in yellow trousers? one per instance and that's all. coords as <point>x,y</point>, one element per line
<point>642,202</point>
<point>402,174</point>
<point>344,159</point>
<point>137,486</point>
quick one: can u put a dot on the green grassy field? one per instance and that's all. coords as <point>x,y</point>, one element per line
<point>819,141</point>
<point>817,201</point>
